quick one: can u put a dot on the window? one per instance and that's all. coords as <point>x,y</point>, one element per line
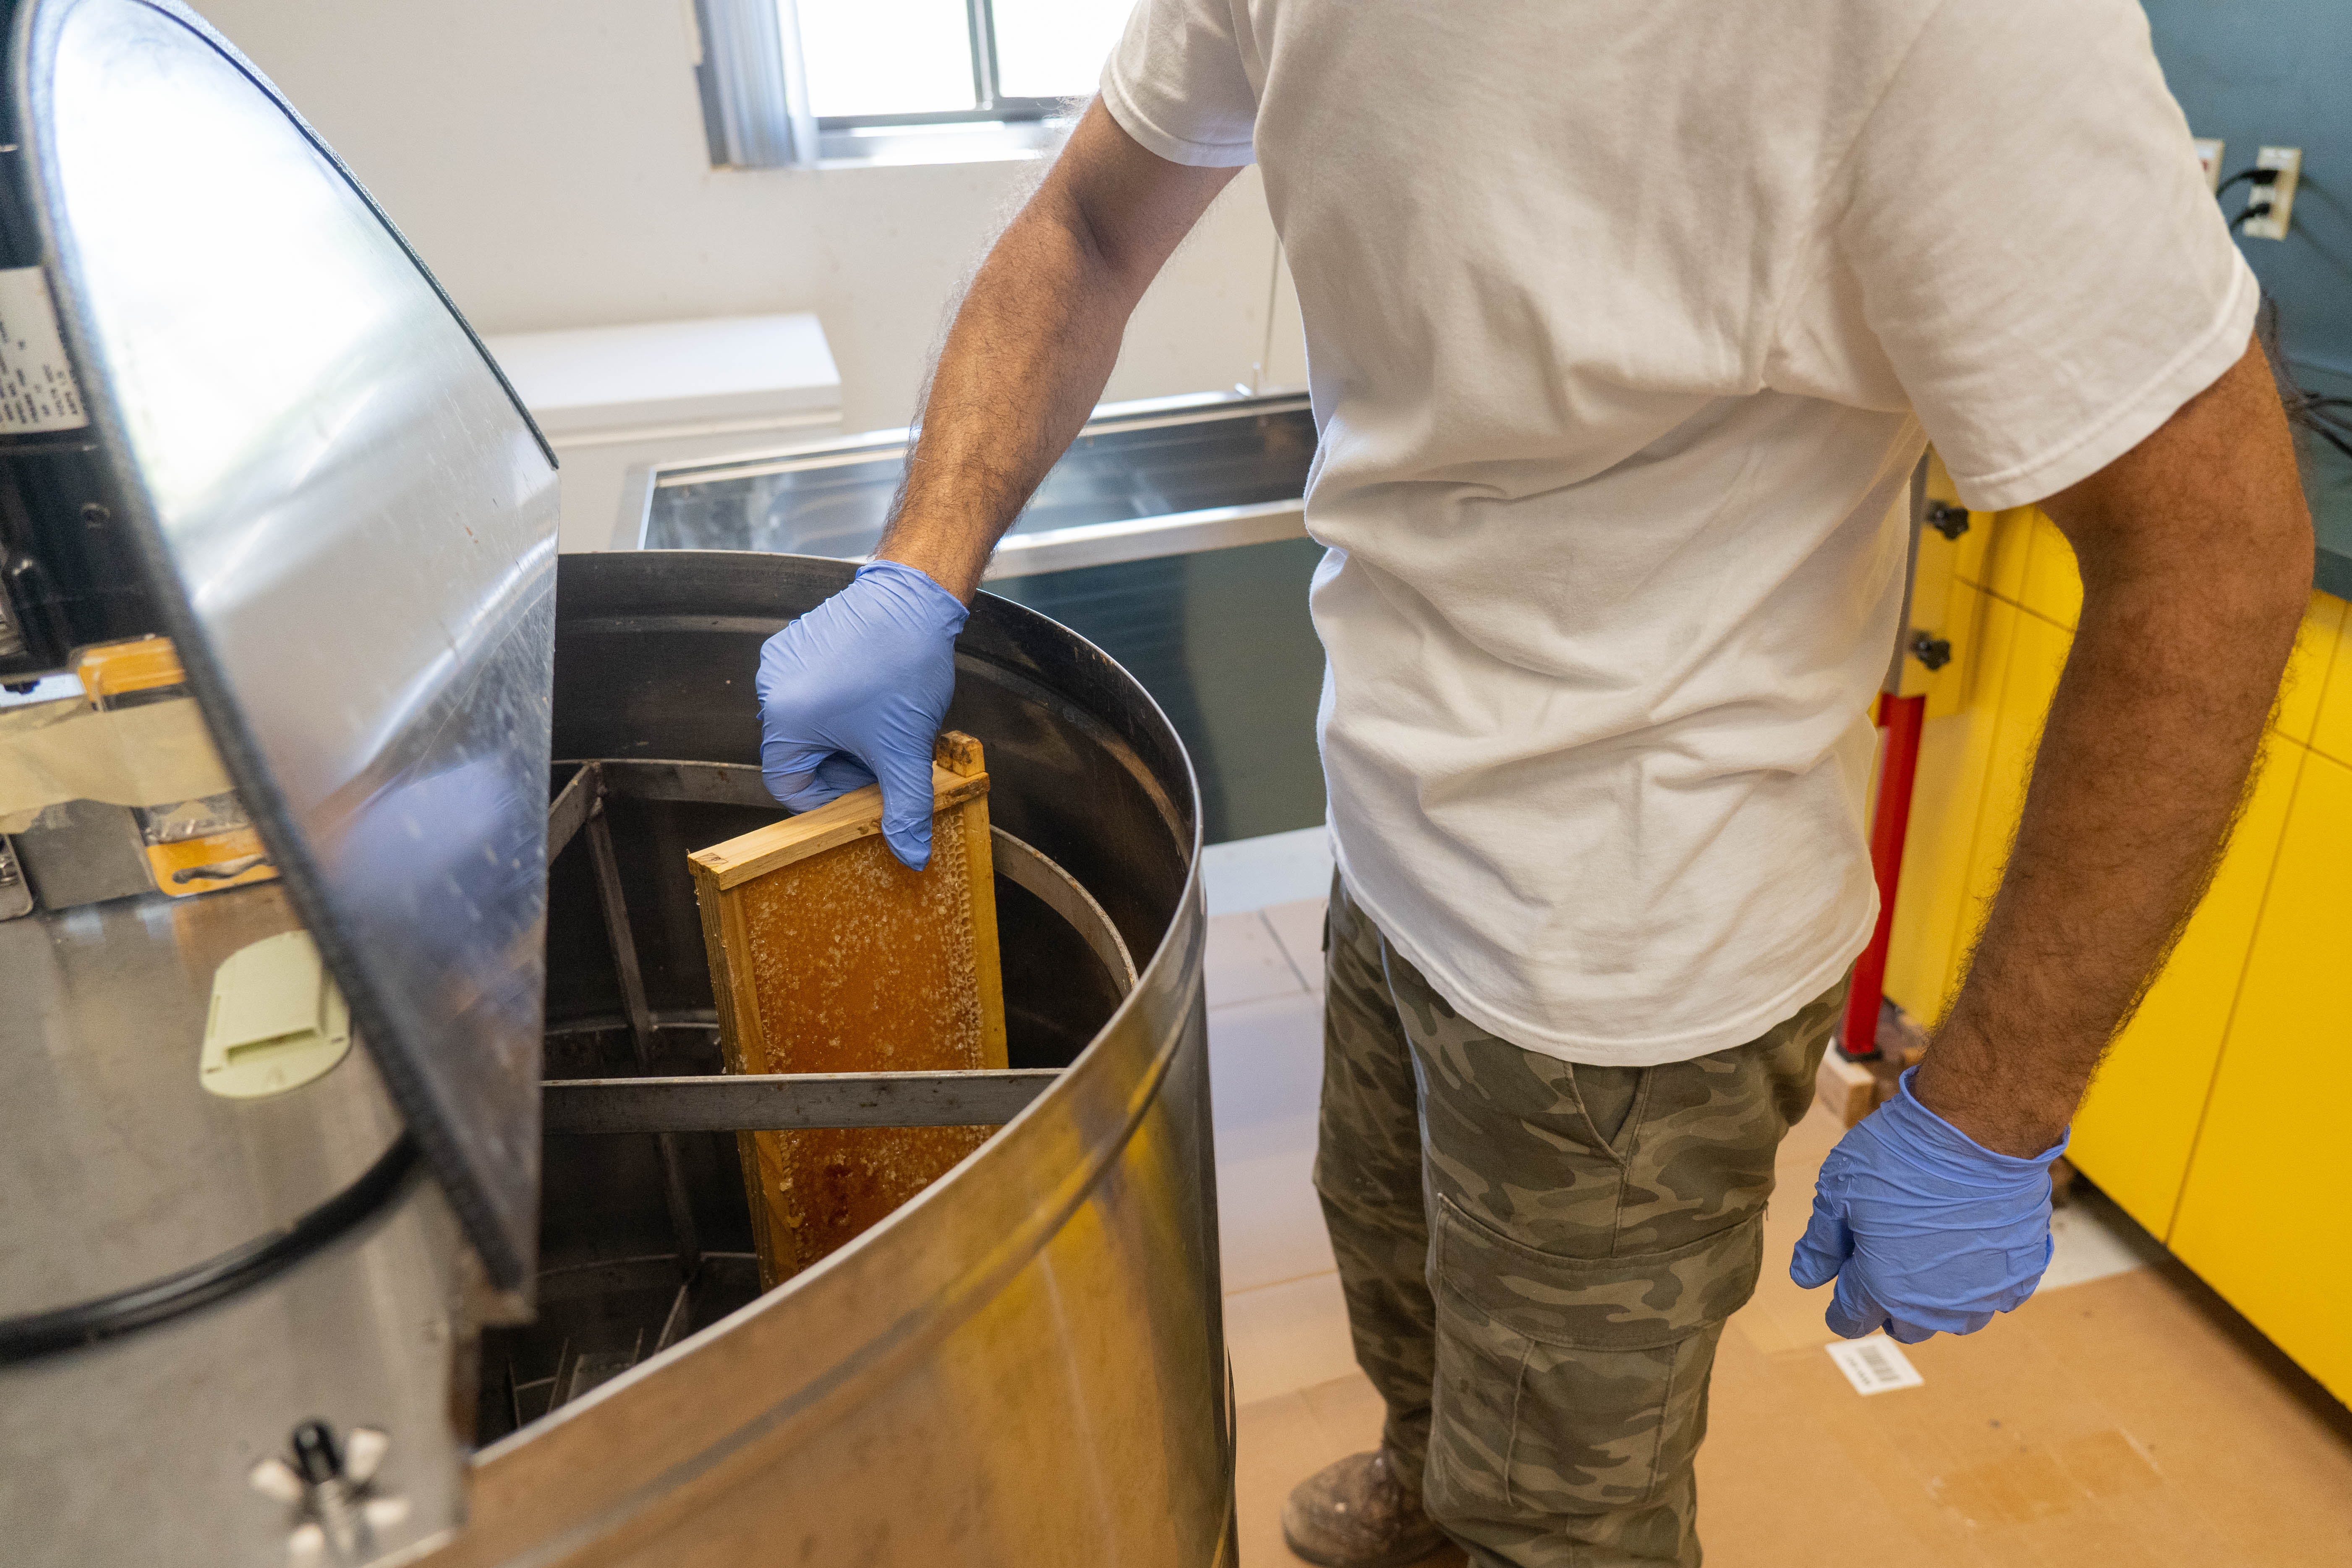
<point>804,81</point>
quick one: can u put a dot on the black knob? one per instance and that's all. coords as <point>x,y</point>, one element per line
<point>1947,520</point>
<point>315,1454</point>
<point>1931,650</point>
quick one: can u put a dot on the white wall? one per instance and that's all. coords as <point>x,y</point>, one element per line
<point>547,159</point>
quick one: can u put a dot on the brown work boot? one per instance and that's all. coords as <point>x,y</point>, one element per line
<point>1357,1514</point>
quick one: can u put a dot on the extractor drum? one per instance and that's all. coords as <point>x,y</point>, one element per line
<point>1025,1364</point>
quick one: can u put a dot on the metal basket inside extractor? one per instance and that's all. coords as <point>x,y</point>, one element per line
<point>645,1234</point>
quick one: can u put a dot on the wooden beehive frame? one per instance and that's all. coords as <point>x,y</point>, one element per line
<point>827,955</point>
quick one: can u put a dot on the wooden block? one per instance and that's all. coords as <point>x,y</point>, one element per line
<point>827,955</point>
<point>1848,1088</point>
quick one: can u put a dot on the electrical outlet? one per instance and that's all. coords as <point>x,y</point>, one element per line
<point>2272,224</point>
<point>2209,158</point>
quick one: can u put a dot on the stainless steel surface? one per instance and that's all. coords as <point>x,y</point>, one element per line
<point>570,809</point>
<point>1024,1364</point>
<point>137,1450</point>
<point>116,1168</point>
<point>348,526</point>
<point>1141,414</point>
<point>705,783</point>
<point>1067,897</point>
<point>1141,481</point>
<point>1146,538</point>
<point>770,1103</point>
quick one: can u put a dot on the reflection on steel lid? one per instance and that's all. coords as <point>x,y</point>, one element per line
<point>351,525</point>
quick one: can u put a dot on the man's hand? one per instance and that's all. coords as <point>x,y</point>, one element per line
<point>1925,1230</point>
<point>853,692</point>
<point>2195,549</point>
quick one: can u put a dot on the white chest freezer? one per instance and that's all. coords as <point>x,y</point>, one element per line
<point>615,401</point>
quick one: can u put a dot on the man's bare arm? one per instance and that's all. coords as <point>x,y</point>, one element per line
<point>2196,554</point>
<point>1034,342</point>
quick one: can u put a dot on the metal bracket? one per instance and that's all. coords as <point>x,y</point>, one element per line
<point>568,810</point>
<point>1930,649</point>
<point>781,1101</point>
<point>739,784</point>
<point>774,1102</point>
<point>581,804</point>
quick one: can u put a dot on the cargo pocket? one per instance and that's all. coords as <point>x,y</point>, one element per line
<point>1573,1385</point>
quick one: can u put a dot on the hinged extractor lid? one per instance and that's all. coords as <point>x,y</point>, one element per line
<point>349,526</point>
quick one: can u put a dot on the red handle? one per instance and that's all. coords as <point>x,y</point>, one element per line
<point>1902,717</point>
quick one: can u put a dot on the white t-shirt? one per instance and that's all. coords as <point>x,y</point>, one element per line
<point>1626,321</point>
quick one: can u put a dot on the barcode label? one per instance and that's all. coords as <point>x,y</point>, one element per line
<point>36,385</point>
<point>1874,1364</point>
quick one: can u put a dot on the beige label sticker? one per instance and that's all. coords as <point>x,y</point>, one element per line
<point>36,385</point>
<point>1874,1364</point>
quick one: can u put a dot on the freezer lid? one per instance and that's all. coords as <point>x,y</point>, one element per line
<point>348,523</point>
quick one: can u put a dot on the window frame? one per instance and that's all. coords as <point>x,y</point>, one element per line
<point>756,113</point>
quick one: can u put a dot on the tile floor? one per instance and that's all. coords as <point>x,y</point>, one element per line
<point>2124,1416</point>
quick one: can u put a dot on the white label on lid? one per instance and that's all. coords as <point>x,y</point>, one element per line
<point>36,386</point>
<point>1874,1364</point>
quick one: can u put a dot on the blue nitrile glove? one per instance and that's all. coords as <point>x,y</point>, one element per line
<point>1924,1230</point>
<point>855,691</point>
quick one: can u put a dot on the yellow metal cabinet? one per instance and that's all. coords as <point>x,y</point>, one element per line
<point>2266,1213</point>
<point>2134,1133</point>
<point>2331,719</point>
<point>2052,585</point>
<point>2037,656</point>
<point>2306,671</point>
<point>2001,568</point>
<point>1931,907</point>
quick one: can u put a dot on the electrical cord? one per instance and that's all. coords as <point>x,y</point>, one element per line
<point>2329,436</point>
<point>2259,176</point>
<point>2318,416</point>
<point>2259,203</point>
<point>86,1323</point>
<point>2333,421</point>
<point>2312,411</point>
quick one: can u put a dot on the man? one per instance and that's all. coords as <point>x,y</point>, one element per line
<point>1627,323</point>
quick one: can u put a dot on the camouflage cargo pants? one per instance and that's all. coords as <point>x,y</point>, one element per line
<point>1539,1258</point>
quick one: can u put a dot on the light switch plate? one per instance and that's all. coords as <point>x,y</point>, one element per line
<point>2272,225</point>
<point>2208,156</point>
